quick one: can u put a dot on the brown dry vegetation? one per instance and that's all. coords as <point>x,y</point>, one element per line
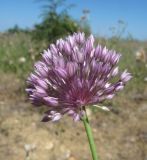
<point>119,135</point>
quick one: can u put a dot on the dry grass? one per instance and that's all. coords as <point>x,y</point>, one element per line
<point>120,135</point>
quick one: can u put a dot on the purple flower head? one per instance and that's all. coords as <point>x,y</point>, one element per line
<point>73,73</point>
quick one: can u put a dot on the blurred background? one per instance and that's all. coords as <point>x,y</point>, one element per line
<point>26,28</point>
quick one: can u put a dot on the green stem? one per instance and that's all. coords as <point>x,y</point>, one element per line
<point>90,136</point>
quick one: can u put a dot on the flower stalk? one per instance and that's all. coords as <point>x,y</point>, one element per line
<point>90,136</point>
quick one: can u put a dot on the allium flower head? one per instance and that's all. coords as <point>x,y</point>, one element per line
<point>73,73</point>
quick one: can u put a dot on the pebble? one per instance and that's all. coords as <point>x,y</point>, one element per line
<point>49,146</point>
<point>66,153</point>
<point>29,147</point>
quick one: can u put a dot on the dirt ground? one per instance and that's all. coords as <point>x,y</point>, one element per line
<point>119,135</point>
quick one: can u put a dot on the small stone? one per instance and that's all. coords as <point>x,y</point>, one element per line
<point>29,147</point>
<point>49,146</point>
<point>34,125</point>
<point>66,153</point>
<point>94,130</point>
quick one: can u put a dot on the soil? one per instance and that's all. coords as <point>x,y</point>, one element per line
<point>119,135</point>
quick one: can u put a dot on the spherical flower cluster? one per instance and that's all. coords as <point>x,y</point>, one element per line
<point>73,73</point>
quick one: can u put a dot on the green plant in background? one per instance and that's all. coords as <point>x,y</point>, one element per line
<point>15,56</point>
<point>54,23</point>
<point>18,52</point>
<point>14,29</point>
<point>57,23</point>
